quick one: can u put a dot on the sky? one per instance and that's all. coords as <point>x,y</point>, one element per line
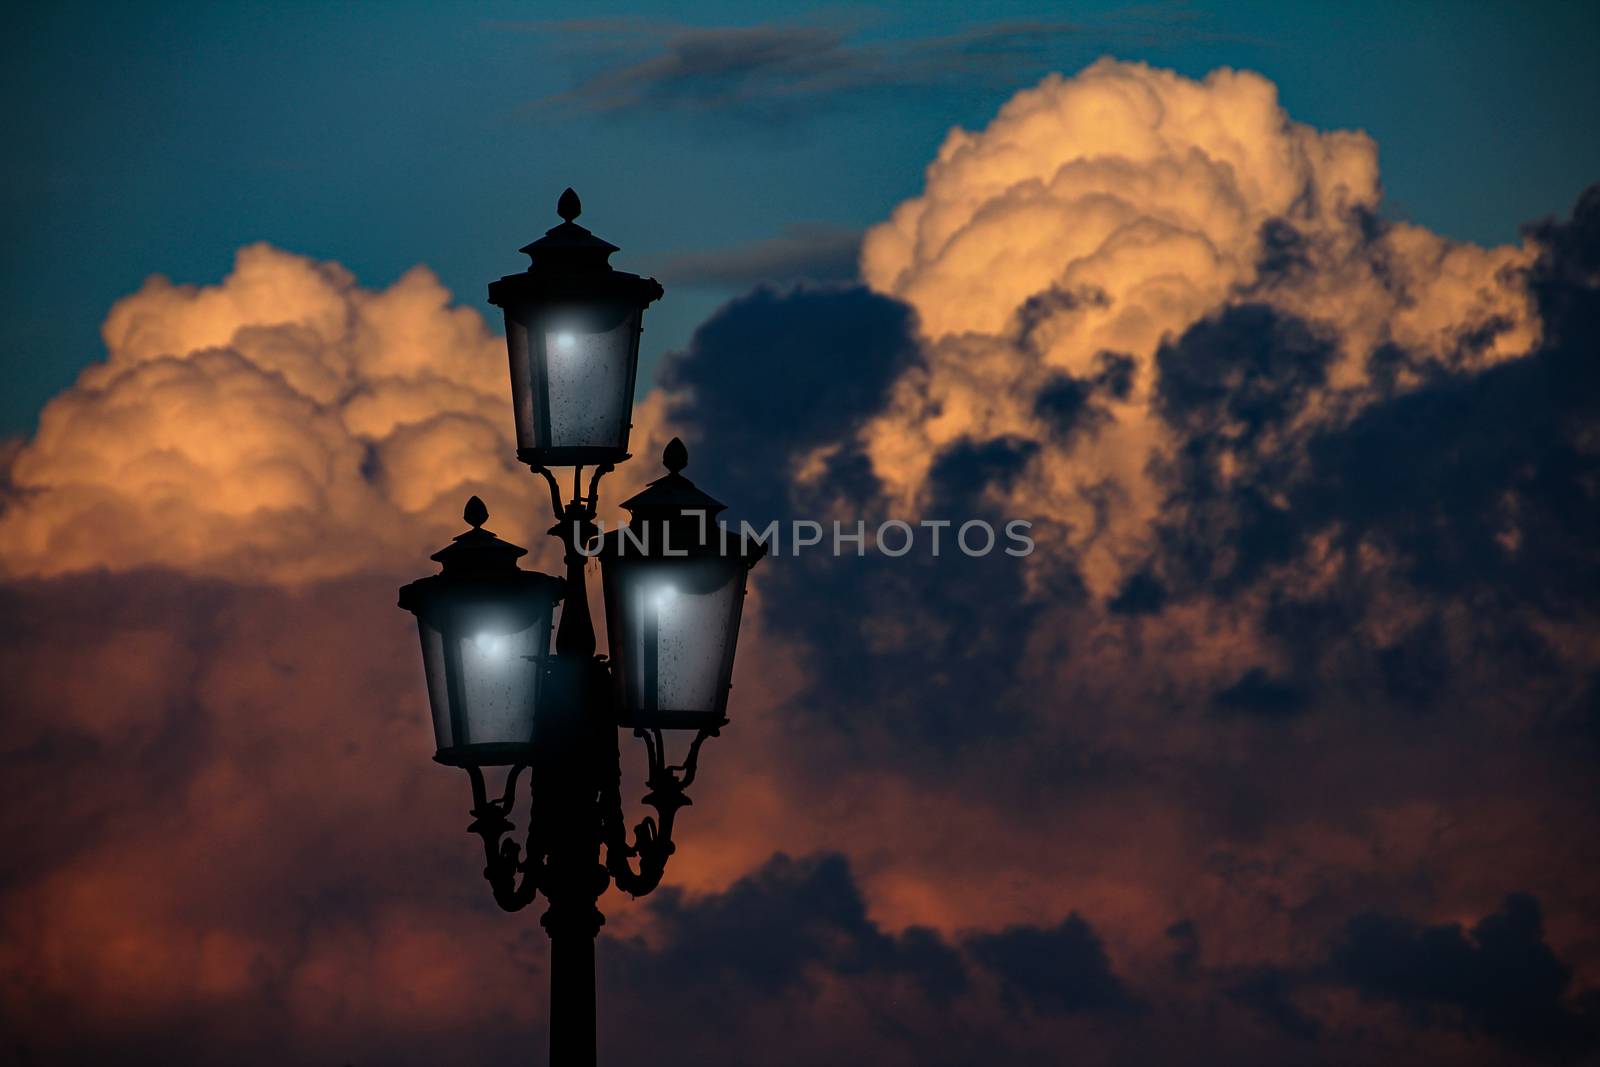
<point>1277,323</point>
<point>159,138</point>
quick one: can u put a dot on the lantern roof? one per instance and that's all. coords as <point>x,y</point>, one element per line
<point>479,561</point>
<point>568,243</point>
<point>478,552</point>
<point>672,516</point>
<point>672,494</point>
<point>571,263</point>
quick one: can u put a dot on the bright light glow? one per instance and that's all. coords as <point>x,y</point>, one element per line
<point>565,341</point>
<point>489,644</point>
<point>664,596</point>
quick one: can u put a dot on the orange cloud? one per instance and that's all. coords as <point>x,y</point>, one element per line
<point>1109,212</point>
<point>283,425</point>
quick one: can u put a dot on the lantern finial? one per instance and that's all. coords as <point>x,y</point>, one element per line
<point>675,457</point>
<point>569,206</point>
<point>476,513</point>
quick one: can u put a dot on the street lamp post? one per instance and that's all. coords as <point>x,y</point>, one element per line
<point>673,584</point>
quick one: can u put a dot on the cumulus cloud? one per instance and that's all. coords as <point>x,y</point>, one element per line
<point>284,424</point>
<point>1100,216</point>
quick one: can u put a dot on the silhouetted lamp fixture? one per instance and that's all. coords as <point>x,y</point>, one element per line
<point>485,627</point>
<point>572,327</point>
<point>674,586</point>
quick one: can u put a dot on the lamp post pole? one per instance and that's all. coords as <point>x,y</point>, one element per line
<point>673,590</point>
<point>575,758</point>
<point>574,881</point>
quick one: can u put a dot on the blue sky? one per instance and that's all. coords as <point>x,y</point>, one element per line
<point>158,139</point>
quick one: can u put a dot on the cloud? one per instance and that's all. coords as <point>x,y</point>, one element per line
<point>286,424</point>
<point>1269,994</point>
<point>782,925</point>
<point>778,72</point>
<point>1501,978</point>
<point>816,252</point>
<point>791,944</point>
<point>172,801</point>
<point>1255,693</point>
<point>830,356</point>
<point>1498,979</point>
<point>1062,969</point>
<point>1112,212</point>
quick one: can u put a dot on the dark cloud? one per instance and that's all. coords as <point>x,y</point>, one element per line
<point>776,373</point>
<point>756,68</point>
<point>1231,387</point>
<point>1071,407</point>
<point>1260,694</point>
<point>1500,978</point>
<point>1416,666</point>
<point>952,622</point>
<point>787,962</point>
<point>1185,939</point>
<point>813,252</point>
<point>1061,969</point>
<point>1268,995</point>
<point>1063,403</point>
<point>1566,276</point>
<point>789,922</point>
<point>1474,483</point>
<point>1141,594</point>
<point>782,71</point>
<point>1113,372</point>
<point>1285,252</point>
<point>964,472</point>
<point>1240,374</point>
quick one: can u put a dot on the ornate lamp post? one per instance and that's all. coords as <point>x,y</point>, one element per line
<point>674,584</point>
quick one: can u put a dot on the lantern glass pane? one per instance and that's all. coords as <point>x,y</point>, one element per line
<point>673,637</point>
<point>438,688</point>
<point>500,675</point>
<point>483,680</point>
<point>572,375</point>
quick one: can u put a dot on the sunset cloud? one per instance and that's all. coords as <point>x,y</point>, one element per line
<point>1099,217</point>
<point>285,424</point>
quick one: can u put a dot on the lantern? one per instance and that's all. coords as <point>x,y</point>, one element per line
<point>572,333</point>
<point>485,628</point>
<point>674,584</point>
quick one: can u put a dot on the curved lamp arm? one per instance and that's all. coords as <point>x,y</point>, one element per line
<point>594,485</point>
<point>652,837</point>
<point>503,859</point>
<point>555,489</point>
<point>583,506</point>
